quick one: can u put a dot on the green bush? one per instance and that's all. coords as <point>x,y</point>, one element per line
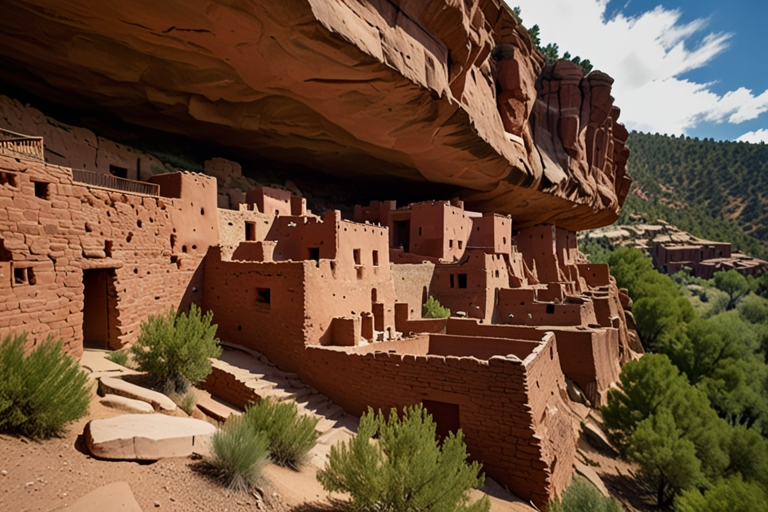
<point>40,392</point>
<point>175,350</point>
<point>187,403</point>
<point>581,496</point>
<point>405,469</point>
<point>290,436</point>
<point>433,309</point>
<point>118,357</point>
<point>237,454</point>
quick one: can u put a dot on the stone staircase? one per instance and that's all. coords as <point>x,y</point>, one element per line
<point>241,376</point>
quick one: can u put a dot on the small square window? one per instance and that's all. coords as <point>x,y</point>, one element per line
<point>356,255</point>
<point>452,281</point>
<point>314,253</point>
<point>461,244</point>
<point>462,280</point>
<point>41,190</point>
<point>263,297</point>
<point>22,276</point>
<point>375,255</point>
<point>450,244</point>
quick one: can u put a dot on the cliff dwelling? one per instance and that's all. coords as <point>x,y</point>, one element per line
<point>96,235</point>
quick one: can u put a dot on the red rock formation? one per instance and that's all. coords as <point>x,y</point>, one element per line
<point>371,89</point>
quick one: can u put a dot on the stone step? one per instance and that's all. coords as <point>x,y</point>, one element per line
<point>216,409</point>
<point>111,385</point>
<point>127,404</point>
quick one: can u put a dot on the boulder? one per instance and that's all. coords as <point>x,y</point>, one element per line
<point>147,437</point>
<point>596,437</point>
<point>115,497</point>
<point>122,388</point>
<point>127,404</point>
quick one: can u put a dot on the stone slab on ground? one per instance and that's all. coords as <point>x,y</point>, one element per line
<point>122,388</point>
<point>147,437</point>
<point>96,362</point>
<point>127,404</point>
<point>115,497</point>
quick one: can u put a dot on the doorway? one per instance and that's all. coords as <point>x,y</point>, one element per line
<point>99,309</point>
<point>445,416</point>
<point>402,235</point>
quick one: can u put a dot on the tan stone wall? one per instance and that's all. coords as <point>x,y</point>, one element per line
<point>412,282</point>
<point>518,430</point>
<point>76,228</point>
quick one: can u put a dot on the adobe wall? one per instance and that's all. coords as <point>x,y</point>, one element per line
<point>75,147</point>
<point>76,228</point>
<point>275,328</point>
<point>492,232</point>
<point>475,293</point>
<point>412,284</point>
<point>510,311</point>
<point>589,357</point>
<point>512,412</point>
<point>439,229</point>
<point>234,228</point>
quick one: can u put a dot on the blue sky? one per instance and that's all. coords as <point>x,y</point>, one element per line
<point>693,67</point>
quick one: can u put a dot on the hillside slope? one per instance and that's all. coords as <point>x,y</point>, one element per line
<point>715,190</point>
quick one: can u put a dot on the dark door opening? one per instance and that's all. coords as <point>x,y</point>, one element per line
<point>314,254</point>
<point>120,172</point>
<point>445,416</point>
<point>99,309</point>
<point>402,234</point>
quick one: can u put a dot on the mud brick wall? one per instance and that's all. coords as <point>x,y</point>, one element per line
<point>275,328</point>
<point>232,227</point>
<point>53,229</point>
<point>412,282</point>
<point>512,413</point>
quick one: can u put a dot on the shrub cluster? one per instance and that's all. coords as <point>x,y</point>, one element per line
<point>581,496</point>
<point>118,357</point>
<point>405,468</point>
<point>237,454</point>
<point>433,309</point>
<point>290,437</point>
<point>175,350</point>
<point>40,392</point>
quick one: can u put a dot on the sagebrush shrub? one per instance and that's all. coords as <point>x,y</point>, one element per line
<point>40,392</point>
<point>118,357</point>
<point>188,402</point>
<point>238,454</point>
<point>405,468</point>
<point>175,350</point>
<point>290,436</point>
<point>581,496</point>
<point>433,309</point>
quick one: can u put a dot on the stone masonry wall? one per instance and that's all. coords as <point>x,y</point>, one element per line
<point>512,412</point>
<point>58,229</point>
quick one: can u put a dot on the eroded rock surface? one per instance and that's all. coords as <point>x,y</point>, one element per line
<point>385,89</point>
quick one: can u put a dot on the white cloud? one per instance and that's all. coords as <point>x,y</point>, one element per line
<point>646,55</point>
<point>754,137</point>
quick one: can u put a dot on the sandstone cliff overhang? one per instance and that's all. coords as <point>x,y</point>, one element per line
<point>373,89</point>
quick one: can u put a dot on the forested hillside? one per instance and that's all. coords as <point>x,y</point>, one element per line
<point>714,190</point>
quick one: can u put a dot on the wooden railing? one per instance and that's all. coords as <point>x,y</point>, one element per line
<point>17,144</point>
<point>98,179</point>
